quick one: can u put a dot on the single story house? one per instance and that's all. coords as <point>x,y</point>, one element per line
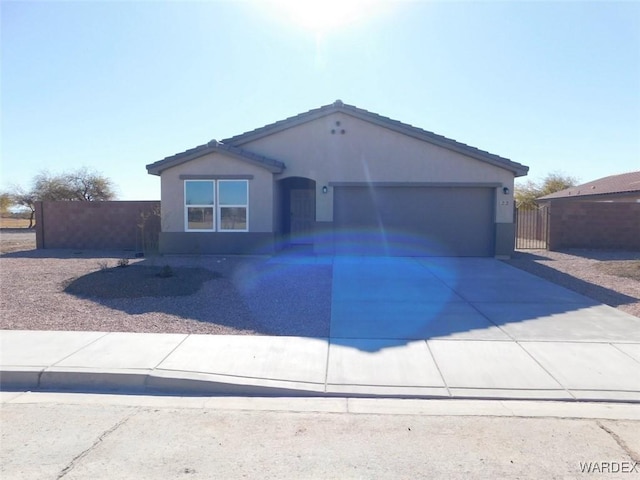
<point>624,187</point>
<point>601,214</point>
<point>344,180</point>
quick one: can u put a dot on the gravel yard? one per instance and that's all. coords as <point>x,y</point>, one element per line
<point>249,296</point>
<point>17,239</point>
<point>244,295</point>
<point>610,277</point>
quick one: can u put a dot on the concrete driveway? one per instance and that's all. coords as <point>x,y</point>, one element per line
<point>463,298</point>
<point>408,327</point>
<point>476,327</point>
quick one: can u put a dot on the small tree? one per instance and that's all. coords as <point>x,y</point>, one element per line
<point>82,185</point>
<point>5,202</point>
<point>78,185</point>
<point>527,193</point>
<point>90,186</point>
<point>46,186</point>
<point>23,198</point>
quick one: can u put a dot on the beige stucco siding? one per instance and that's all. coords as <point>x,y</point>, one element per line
<point>370,153</point>
<point>260,190</point>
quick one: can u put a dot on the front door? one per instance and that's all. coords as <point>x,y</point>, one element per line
<point>303,215</point>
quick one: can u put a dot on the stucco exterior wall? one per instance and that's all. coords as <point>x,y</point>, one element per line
<point>336,150</point>
<point>369,153</point>
<point>261,190</point>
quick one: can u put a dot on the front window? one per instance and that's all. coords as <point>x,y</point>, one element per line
<point>199,203</point>
<point>228,214</point>
<point>233,204</point>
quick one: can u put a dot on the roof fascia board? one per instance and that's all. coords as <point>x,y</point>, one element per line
<point>280,126</point>
<point>158,167</point>
<point>590,196</point>
<point>438,140</point>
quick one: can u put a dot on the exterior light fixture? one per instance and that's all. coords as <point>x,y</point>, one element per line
<point>325,189</point>
<point>505,190</point>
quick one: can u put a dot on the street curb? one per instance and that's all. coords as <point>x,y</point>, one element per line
<point>339,405</point>
<point>166,382</point>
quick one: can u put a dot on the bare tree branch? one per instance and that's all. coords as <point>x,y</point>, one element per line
<point>527,193</point>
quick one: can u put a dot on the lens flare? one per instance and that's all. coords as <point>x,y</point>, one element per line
<point>323,15</point>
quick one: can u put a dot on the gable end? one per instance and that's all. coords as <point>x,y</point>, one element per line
<point>385,122</point>
<point>213,146</point>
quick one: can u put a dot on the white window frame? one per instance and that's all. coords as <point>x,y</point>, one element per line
<point>220,207</point>
<point>212,207</point>
<point>216,206</point>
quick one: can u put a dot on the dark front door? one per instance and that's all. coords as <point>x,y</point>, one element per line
<point>303,215</point>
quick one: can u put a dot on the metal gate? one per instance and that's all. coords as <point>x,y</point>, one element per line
<point>532,228</point>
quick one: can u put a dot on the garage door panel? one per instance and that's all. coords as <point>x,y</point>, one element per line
<point>426,220</point>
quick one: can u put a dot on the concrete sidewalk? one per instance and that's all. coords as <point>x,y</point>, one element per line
<point>298,366</point>
<point>400,327</point>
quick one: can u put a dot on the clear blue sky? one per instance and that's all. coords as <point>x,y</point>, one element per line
<point>117,85</point>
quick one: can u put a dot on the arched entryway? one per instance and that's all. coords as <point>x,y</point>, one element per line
<point>297,210</point>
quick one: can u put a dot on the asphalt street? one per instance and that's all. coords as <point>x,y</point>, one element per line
<point>80,436</point>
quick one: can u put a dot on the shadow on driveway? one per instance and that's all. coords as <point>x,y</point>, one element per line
<point>252,295</point>
<point>372,303</point>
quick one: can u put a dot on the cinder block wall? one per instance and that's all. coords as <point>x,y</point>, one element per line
<point>597,225</point>
<point>97,225</point>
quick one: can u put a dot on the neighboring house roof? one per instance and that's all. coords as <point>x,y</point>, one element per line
<point>613,184</point>
<point>158,167</point>
<point>410,130</point>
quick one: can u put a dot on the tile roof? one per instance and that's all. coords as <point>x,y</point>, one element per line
<point>623,183</point>
<point>232,145</point>
<point>158,167</point>
<point>338,106</point>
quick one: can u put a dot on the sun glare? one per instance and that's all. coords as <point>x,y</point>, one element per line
<point>321,16</point>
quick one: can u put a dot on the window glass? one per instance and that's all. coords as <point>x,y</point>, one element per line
<point>231,212</point>
<point>200,218</point>
<point>232,192</point>
<point>199,193</point>
<point>233,218</point>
